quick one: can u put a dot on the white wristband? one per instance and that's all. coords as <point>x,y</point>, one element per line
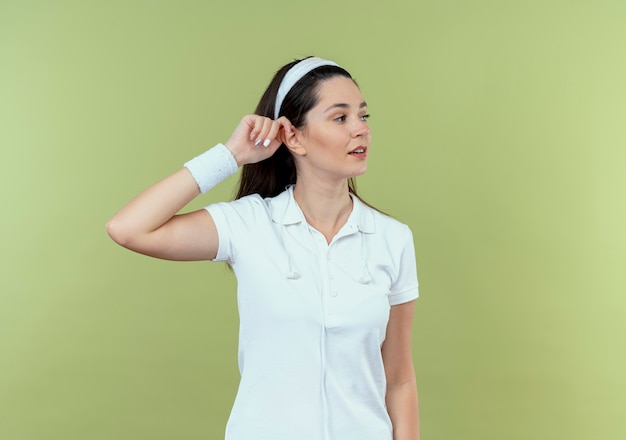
<point>212,166</point>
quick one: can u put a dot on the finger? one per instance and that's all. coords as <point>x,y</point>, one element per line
<point>257,127</point>
<point>273,134</point>
<point>263,136</point>
<point>285,129</point>
<point>285,123</point>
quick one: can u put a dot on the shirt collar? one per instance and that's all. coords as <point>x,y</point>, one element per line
<point>285,210</point>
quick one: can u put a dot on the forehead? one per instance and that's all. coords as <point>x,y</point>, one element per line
<point>339,89</point>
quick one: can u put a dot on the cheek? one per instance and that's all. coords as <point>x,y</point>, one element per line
<point>327,140</point>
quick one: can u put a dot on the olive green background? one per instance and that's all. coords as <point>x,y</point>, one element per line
<point>499,137</point>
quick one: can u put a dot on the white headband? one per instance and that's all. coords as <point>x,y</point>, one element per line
<point>294,75</point>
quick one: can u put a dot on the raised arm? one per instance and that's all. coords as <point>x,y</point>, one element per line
<point>150,223</point>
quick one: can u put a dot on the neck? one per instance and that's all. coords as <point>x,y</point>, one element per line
<point>325,206</point>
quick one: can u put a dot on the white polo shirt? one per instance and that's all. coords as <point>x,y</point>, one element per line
<point>313,318</point>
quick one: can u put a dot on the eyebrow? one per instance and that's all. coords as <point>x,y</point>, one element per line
<point>344,105</point>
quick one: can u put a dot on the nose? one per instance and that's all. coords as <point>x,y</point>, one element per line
<point>360,128</point>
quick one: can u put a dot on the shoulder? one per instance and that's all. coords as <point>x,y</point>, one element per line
<point>252,202</point>
<point>239,214</point>
<point>387,220</point>
<point>382,224</point>
<point>249,208</point>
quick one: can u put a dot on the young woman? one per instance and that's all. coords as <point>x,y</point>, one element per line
<point>326,283</point>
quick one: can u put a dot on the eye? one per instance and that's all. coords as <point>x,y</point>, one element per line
<point>341,118</point>
<point>364,117</point>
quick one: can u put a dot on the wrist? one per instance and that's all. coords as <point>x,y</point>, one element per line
<point>212,166</point>
<point>236,155</point>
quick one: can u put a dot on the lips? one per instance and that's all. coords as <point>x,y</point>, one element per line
<point>359,150</point>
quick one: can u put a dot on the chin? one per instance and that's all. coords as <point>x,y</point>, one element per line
<point>359,172</point>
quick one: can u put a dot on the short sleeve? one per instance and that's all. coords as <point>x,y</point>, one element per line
<point>405,287</point>
<point>224,250</point>
<point>233,222</point>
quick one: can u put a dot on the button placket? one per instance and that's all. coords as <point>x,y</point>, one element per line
<point>332,281</point>
<point>330,274</point>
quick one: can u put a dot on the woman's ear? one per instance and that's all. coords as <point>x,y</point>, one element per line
<point>292,138</point>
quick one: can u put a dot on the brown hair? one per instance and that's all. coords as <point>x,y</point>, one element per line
<point>271,176</point>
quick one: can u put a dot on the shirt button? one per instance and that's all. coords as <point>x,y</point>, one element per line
<point>331,275</point>
<point>333,293</point>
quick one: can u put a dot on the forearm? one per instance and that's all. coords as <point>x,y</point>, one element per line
<point>402,405</point>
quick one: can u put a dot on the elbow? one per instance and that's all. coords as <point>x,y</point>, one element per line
<point>127,233</point>
<point>118,232</point>
<point>401,378</point>
<point>408,383</point>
